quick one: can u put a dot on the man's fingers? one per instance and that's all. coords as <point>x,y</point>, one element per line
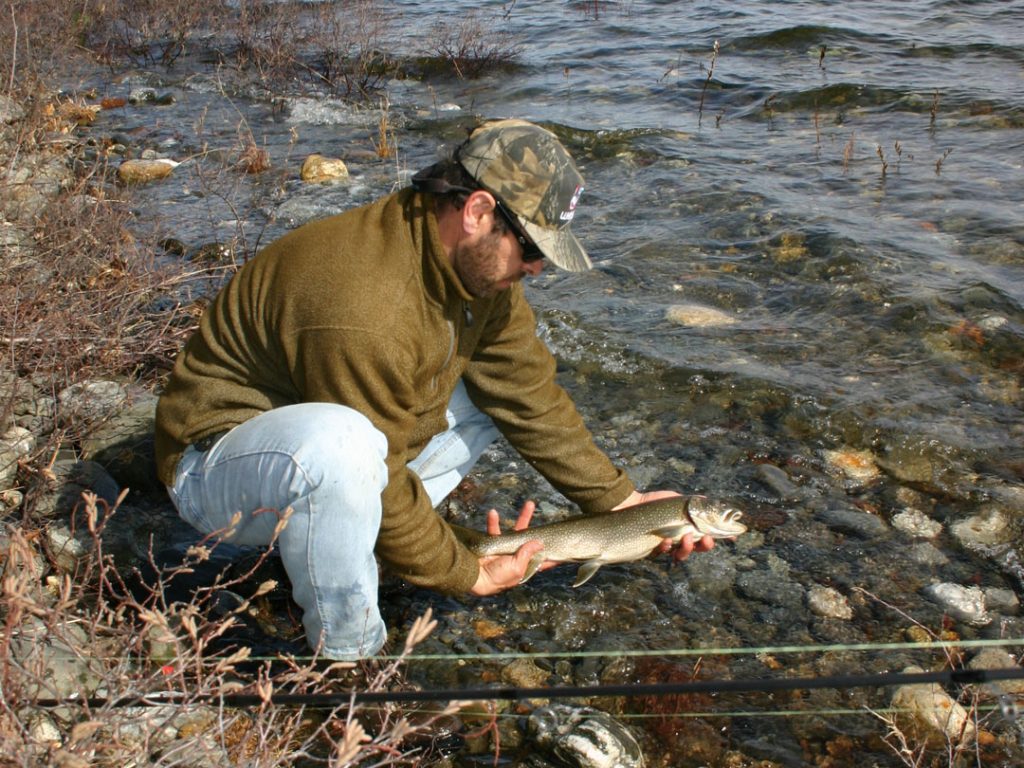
<point>525,516</point>
<point>493,523</point>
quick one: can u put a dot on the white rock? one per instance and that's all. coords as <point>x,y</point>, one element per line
<point>960,602</point>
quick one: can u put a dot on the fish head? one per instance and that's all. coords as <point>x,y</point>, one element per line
<point>715,518</point>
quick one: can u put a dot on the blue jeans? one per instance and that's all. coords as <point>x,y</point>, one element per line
<point>327,463</point>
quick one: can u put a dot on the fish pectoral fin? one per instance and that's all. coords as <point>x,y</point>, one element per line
<point>532,566</point>
<point>586,570</point>
<point>673,531</point>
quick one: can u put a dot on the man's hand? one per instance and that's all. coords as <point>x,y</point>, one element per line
<point>501,572</point>
<point>687,545</point>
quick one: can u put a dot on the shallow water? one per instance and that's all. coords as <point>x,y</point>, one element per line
<point>845,189</point>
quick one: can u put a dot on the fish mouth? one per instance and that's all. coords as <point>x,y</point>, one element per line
<point>718,521</point>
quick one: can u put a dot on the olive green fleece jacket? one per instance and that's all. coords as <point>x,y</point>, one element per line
<point>363,309</point>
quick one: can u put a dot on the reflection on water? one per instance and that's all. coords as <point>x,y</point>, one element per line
<point>817,249</point>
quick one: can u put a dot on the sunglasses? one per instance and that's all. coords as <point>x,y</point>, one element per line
<point>531,252</point>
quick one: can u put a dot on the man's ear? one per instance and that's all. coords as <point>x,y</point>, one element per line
<point>479,207</point>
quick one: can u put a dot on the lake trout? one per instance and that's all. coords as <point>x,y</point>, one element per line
<point>613,537</point>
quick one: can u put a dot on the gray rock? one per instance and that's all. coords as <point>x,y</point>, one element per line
<point>53,661</point>
<point>15,444</point>
<point>927,553</point>
<point>124,444</point>
<point>853,521</point>
<point>91,400</point>
<point>997,658</point>
<point>771,589</point>
<point>72,478</point>
<point>10,110</point>
<point>581,737</point>
<point>1002,600</point>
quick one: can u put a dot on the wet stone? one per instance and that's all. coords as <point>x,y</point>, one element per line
<point>927,553</point>
<point>852,521</point>
<point>769,588</point>
<point>711,576</point>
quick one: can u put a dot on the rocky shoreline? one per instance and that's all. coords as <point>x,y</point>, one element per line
<point>94,436</point>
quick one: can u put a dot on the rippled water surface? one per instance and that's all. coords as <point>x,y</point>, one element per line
<point>810,241</point>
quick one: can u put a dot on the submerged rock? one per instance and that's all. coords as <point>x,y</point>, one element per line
<point>992,526</point>
<point>581,737</point>
<point>857,467</point>
<point>828,603</point>
<point>913,522</point>
<point>698,316</point>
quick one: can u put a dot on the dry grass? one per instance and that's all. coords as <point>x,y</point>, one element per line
<point>127,677</point>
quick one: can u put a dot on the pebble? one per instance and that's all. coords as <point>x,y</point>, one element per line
<point>1002,600</point>
<point>828,603</point>
<point>916,523</point>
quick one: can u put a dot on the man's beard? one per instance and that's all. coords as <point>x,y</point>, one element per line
<point>476,265</point>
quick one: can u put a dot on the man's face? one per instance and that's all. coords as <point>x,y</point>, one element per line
<point>491,263</point>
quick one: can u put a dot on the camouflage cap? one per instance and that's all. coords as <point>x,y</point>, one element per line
<point>531,173</point>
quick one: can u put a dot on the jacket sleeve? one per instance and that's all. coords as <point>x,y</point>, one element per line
<point>511,377</point>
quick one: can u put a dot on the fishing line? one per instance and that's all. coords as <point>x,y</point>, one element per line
<point>770,650</point>
<point>517,693</point>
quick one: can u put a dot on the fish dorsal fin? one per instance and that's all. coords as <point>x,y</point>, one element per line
<point>586,570</point>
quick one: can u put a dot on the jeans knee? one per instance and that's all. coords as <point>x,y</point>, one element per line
<point>339,442</point>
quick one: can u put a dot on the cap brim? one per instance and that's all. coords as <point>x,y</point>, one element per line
<point>559,246</point>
